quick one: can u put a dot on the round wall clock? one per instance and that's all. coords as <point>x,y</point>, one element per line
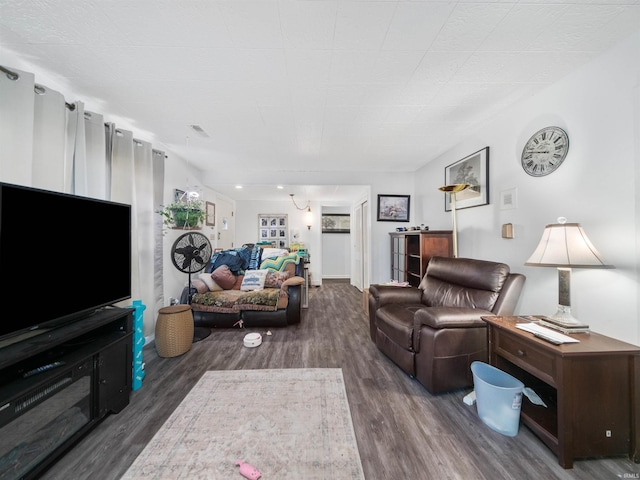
<point>545,151</point>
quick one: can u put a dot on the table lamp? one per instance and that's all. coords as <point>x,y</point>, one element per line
<point>453,189</point>
<point>565,246</point>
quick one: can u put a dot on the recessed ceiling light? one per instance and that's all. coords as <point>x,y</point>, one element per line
<point>238,187</point>
<point>279,187</point>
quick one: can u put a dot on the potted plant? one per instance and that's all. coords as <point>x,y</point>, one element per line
<point>186,215</point>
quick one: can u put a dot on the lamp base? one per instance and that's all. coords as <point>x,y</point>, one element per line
<point>563,318</point>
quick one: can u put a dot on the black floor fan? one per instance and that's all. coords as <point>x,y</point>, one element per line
<point>190,253</point>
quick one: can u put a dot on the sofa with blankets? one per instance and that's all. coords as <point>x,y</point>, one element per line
<point>247,287</point>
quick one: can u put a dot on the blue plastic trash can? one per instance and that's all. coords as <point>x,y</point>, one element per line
<point>498,398</point>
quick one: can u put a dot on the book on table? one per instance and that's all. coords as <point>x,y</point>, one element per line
<point>557,325</point>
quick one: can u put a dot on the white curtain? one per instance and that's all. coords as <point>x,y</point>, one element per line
<point>145,214</point>
<point>49,139</point>
<point>158,200</point>
<point>49,143</point>
<point>96,161</point>
<point>16,126</point>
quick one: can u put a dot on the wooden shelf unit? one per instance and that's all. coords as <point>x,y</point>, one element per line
<point>412,250</point>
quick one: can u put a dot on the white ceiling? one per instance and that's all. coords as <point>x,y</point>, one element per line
<point>308,85</point>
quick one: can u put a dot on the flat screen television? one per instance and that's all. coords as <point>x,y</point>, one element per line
<point>62,257</point>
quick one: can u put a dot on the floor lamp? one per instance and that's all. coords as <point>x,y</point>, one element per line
<point>453,189</point>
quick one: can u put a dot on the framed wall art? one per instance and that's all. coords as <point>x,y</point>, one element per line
<point>474,170</point>
<point>273,228</point>
<point>393,208</point>
<point>210,214</point>
<point>336,223</point>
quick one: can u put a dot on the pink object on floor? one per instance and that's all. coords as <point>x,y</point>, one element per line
<point>248,471</point>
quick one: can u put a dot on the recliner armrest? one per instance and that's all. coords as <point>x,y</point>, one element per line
<point>450,317</point>
<point>446,317</point>
<point>380,295</point>
<point>385,294</point>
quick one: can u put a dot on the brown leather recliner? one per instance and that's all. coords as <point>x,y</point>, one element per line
<point>434,331</point>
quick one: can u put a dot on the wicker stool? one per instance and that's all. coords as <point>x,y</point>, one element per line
<point>174,330</point>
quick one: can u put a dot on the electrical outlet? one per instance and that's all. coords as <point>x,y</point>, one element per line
<point>608,433</point>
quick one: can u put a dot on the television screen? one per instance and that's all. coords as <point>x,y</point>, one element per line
<point>61,257</point>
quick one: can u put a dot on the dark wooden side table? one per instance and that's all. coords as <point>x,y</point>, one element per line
<point>591,389</point>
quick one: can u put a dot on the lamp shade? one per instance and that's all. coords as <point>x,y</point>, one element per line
<point>566,245</point>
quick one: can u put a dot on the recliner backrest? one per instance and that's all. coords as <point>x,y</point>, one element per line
<point>463,282</point>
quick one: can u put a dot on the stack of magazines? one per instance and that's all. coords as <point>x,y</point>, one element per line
<point>562,327</point>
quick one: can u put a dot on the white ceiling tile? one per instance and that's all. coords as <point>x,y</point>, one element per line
<point>308,25</point>
<point>469,25</point>
<point>190,23</point>
<point>415,25</point>
<point>308,65</point>
<point>253,24</point>
<point>362,25</point>
<point>440,67</point>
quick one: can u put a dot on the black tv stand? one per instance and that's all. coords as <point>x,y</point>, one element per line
<point>44,414</point>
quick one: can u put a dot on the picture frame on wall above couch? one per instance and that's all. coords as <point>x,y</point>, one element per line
<point>394,208</point>
<point>474,171</point>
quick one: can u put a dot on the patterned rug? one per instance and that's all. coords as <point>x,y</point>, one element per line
<point>289,424</point>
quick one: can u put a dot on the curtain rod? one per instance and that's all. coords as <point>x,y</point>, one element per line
<point>11,75</point>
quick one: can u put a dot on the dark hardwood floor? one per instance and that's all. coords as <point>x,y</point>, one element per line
<point>403,431</point>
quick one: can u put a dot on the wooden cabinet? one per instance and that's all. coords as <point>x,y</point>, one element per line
<point>591,389</point>
<point>411,252</point>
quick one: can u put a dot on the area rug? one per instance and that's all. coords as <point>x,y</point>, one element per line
<point>288,423</point>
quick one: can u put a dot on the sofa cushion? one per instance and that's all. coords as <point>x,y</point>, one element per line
<point>232,301</point>
<point>265,299</point>
<point>223,277</point>
<point>396,321</point>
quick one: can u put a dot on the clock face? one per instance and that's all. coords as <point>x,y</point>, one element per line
<point>545,151</point>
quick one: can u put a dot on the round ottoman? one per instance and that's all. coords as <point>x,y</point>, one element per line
<point>174,330</point>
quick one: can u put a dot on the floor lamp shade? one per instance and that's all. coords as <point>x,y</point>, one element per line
<point>565,246</point>
<point>453,189</point>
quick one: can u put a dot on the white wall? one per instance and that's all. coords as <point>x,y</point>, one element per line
<point>597,186</point>
<point>336,249</point>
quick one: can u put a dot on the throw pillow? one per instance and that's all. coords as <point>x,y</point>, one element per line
<point>253,280</point>
<point>212,286</point>
<point>223,277</point>
<point>275,279</point>
<point>290,282</point>
<point>199,285</point>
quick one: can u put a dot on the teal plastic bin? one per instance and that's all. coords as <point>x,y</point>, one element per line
<point>498,398</point>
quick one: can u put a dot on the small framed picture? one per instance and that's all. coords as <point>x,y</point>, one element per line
<point>393,208</point>
<point>336,223</point>
<point>210,218</point>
